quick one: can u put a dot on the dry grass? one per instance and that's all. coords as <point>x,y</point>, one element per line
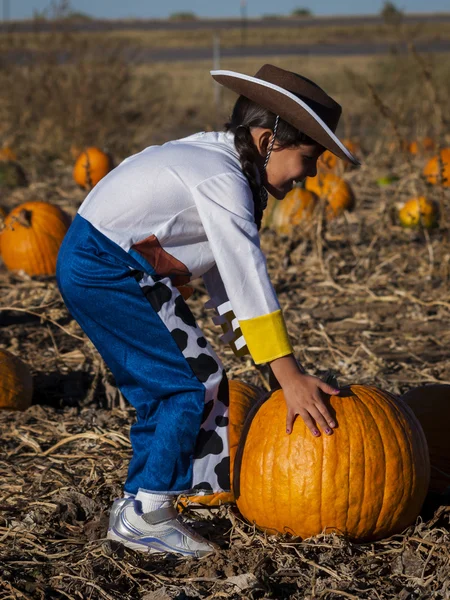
<point>70,94</point>
<point>191,99</point>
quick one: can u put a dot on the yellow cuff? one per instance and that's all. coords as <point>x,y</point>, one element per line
<point>266,337</point>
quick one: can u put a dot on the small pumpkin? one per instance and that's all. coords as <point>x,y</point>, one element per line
<point>7,154</point>
<point>431,405</point>
<point>338,193</point>
<point>16,382</point>
<point>242,397</point>
<point>32,236</point>
<point>419,211</point>
<point>367,480</point>
<point>330,162</point>
<point>421,146</point>
<point>91,166</point>
<point>297,206</point>
<point>432,169</point>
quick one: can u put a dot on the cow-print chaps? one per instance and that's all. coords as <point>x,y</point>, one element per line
<point>211,464</point>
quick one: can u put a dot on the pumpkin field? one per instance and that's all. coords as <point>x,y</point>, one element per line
<point>360,260</point>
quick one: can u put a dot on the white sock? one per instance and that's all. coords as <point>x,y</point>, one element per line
<point>128,495</point>
<point>151,501</point>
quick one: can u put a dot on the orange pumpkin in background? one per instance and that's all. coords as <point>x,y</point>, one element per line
<point>431,405</point>
<point>297,206</point>
<point>335,190</point>
<point>91,166</point>
<point>32,236</point>
<point>422,145</point>
<point>433,168</point>
<point>242,397</point>
<point>7,154</point>
<point>16,382</point>
<point>330,162</point>
<point>419,211</point>
<point>367,480</point>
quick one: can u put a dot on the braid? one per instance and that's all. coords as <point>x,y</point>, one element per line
<point>247,114</point>
<point>243,142</point>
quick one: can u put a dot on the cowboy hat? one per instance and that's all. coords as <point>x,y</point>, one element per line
<point>297,100</point>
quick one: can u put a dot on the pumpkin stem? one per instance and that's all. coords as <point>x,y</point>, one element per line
<point>24,217</point>
<point>331,379</point>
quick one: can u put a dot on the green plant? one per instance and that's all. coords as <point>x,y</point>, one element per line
<point>301,12</point>
<point>183,16</point>
<point>391,14</point>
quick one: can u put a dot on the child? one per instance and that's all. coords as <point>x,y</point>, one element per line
<point>170,214</point>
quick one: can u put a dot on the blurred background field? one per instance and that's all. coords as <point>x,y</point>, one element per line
<point>78,89</point>
<point>363,297</point>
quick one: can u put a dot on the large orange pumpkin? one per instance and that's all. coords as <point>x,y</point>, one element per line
<point>338,193</point>
<point>91,166</point>
<point>432,169</point>
<point>297,206</point>
<point>367,480</point>
<point>419,211</point>
<point>431,405</point>
<point>32,236</point>
<point>16,382</point>
<point>242,397</point>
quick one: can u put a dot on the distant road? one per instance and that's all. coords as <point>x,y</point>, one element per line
<point>147,55</point>
<point>199,24</point>
<point>350,49</point>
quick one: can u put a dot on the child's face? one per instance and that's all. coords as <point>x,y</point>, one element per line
<point>289,165</point>
<point>286,165</point>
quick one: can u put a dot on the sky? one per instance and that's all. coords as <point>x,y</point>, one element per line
<point>147,9</point>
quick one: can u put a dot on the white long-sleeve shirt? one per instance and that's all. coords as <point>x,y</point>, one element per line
<point>185,209</point>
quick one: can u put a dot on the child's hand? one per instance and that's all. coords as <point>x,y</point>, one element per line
<point>303,396</point>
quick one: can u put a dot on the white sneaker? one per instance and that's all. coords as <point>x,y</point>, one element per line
<point>158,531</point>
